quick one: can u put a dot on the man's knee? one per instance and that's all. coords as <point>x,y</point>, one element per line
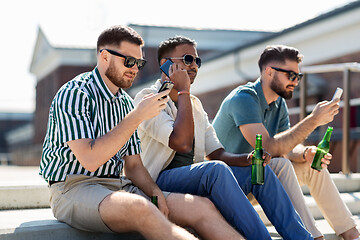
<point>203,203</point>
<point>218,166</point>
<point>204,209</point>
<point>281,165</point>
<point>124,211</point>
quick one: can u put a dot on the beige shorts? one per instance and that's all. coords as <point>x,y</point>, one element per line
<point>76,200</point>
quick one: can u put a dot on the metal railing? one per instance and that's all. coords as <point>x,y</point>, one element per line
<point>346,68</point>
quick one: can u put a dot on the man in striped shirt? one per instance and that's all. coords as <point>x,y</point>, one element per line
<point>92,136</point>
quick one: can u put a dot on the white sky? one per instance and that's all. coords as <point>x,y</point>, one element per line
<point>75,20</point>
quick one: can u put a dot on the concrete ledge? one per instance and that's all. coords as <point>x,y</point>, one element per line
<point>35,224</point>
<point>352,201</point>
<point>344,183</point>
<point>20,197</point>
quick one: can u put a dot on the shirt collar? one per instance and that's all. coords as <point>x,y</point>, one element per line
<point>263,102</point>
<point>103,89</point>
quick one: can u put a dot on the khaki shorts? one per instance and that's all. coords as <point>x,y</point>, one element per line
<point>76,200</point>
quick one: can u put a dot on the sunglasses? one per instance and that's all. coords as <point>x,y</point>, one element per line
<point>189,59</point>
<point>129,61</point>
<point>291,74</point>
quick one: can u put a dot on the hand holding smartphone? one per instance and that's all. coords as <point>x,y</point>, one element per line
<point>166,85</point>
<point>337,94</point>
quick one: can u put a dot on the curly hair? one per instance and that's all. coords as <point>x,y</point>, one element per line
<point>170,44</point>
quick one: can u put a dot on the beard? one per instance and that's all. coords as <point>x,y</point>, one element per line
<point>117,78</point>
<point>192,75</point>
<point>276,86</point>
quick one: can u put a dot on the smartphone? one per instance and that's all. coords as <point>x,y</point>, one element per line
<point>166,85</point>
<point>337,94</point>
<point>166,66</point>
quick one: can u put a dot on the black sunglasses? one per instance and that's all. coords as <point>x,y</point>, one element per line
<point>291,74</point>
<point>189,59</point>
<point>129,61</point>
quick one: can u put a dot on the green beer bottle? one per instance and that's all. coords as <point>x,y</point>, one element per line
<point>257,167</point>
<point>322,150</point>
<point>154,200</point>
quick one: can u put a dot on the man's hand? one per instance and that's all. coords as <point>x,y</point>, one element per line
<point>325,111</point>
<point>151,105</point>
<point>309,154</point>
<point>179,77</point>
<point>162,204</point>
<point>266,156</point>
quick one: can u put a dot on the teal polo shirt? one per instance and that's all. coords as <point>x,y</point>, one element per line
<point>244,105</point>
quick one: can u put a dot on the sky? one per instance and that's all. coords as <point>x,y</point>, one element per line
<point>74,21</point>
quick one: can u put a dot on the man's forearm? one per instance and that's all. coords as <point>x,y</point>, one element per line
<point>181,139</point>
<point>297,154</point>
<point>284,142</point>
<point>231,159</point>
<point>140,177</point>
<point>92,153</point>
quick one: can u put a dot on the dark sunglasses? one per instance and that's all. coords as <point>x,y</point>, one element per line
<point>189,59</point>
<point>129,61</point>
<point>291,74</point>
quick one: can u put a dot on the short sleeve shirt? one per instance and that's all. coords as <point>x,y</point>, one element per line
<point>245,105</point>
<point>84,108</point>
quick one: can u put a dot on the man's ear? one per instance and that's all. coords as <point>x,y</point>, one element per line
<point>268,71</point>
<point>162,61</point>
<point>104,55</point>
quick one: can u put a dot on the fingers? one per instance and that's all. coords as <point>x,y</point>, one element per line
<point>250,155</point>
<point>163,206</point>
<point>335,101</point>
<point>326,159</point>
<point>161,97</point>
<point>324,166</point>
<point>266,157</point>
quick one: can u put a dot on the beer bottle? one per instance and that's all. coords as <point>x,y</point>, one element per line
<point>257,167</point>
<point>154,200</point>
<point>322,150</point>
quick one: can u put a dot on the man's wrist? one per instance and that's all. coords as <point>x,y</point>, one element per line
<point>305,151</point>
<point>183,93</point>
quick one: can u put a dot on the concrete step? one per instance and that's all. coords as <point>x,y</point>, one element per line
<point>352,201</point>
<point>323,226</point>
<point>25,196</point>
<point>22,187</point>
<point>35,224</point>
<point>344,183</point>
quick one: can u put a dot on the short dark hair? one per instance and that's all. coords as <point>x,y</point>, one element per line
<point>170,44</point>
<point>279,53</point>
<point>116,34</point>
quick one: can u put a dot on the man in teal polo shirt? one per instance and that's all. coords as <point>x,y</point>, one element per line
<point>260,108</point>
<point>91,138</point>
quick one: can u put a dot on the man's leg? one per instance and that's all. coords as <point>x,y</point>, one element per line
<point>124,212</point>
<point>275,203</point>
<point>215,180</point>
<point>328,199</point>
<point>200,214</point>
<point>284,170</point>
<point>93,204</point>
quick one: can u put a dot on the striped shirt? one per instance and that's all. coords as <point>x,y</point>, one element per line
<point>84,108</point>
